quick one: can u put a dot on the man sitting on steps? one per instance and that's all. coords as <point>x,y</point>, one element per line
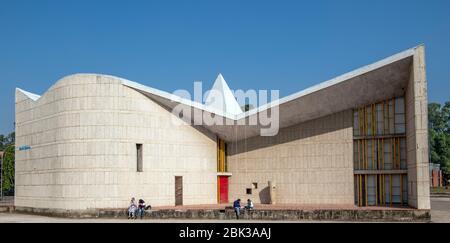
<point>237,207</point>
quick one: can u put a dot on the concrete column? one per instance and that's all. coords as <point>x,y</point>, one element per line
<point>272,192</point>
<point>417,133</point>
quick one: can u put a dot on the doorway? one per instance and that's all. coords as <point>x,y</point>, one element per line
<point>223,189</point>
<point>178,190</point>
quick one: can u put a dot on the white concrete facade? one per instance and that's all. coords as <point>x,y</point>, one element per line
<point>83,134</point>
<point>76,144</point>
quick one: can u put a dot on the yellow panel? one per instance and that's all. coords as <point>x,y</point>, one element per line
<point>382,152</point>
<point>362,151</point>
<point>366,184</point>
<point>390,191</point>
<point>221,156</point>
<point>218,190</point>
<point>373,120</point>
<point>376,190</point>
<point>360,190</point>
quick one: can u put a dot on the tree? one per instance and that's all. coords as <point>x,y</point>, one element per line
<point>8,170</point>
<point>247,107</point>
<point>7,177</point>
<point>439,136</point>
<point>7,140</point>
<point>2,142</point>
<point>11,139</point>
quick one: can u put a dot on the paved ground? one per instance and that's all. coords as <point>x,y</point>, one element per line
<point>440,209</point>
<point>440,213</point>
<point>22,218</point>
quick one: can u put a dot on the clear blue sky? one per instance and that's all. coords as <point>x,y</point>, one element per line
<point>285,45</point>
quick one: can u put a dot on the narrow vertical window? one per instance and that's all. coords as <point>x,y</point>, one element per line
<point>140,167</point>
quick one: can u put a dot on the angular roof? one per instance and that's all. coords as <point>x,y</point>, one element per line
<point>372,83</point>
<point>369,84</point>
<point>220,97</point>
<point>32,96</point>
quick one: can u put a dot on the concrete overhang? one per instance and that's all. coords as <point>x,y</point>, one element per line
<point>372,83</point>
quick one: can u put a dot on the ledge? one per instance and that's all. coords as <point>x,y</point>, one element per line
<point>360,214</point>
<point>224,174</point>
<point>377,172</point>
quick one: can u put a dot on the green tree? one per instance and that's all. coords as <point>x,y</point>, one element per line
<point>2,142</point>
<point>439,135</point>
<point>8,169</point>
<point>7,140</point>
<point>247,107</point>
<point>11,139</point>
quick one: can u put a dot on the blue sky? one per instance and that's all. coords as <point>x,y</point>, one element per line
<point>284,45</point>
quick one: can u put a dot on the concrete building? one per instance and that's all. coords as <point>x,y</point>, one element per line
<point>94,141</point>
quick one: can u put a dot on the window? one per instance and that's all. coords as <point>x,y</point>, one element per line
<point>139,158</point>
<point>380,144</point>
<point>249,191</point>
<point>255,185</point>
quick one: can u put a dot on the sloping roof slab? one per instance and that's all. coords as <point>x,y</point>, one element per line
<point>376,82</point>
<point>372,83</point>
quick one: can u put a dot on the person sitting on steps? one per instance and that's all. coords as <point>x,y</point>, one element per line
<point>237,207</point>
<point>249,205</point>
<point>141,208</point>
<point>132,209</point>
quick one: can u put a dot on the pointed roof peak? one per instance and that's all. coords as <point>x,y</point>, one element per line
<point>221,97</point>
<point>220,84</point>
<point>221,79</point>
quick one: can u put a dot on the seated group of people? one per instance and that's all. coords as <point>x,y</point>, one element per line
<point>237,206</point>
<point>135,210</point>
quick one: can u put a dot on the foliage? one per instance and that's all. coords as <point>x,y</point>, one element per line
<point>439,135</point>
<point>7,145</point>
<point>247,107</point>
<point>8,169</point>
<point>6,140</point>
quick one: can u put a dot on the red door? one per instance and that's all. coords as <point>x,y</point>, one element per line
<point>223,185</point>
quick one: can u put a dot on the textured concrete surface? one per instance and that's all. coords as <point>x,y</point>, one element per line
<point>83,133</point>
<point>288,214</point>
<point>310,163</point>
<point>228,216</point>
<point>417,133</point>
<point>440,213</point>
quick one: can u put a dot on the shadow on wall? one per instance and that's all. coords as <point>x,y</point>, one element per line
<point>200,128</point>
<point>331,123</point>
<point>264,195</point>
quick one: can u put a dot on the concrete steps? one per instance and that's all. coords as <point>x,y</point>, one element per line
<point>6,209</point>
<point>370,215</point>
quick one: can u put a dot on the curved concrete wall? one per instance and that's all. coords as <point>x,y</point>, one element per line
<point>83,133</point>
